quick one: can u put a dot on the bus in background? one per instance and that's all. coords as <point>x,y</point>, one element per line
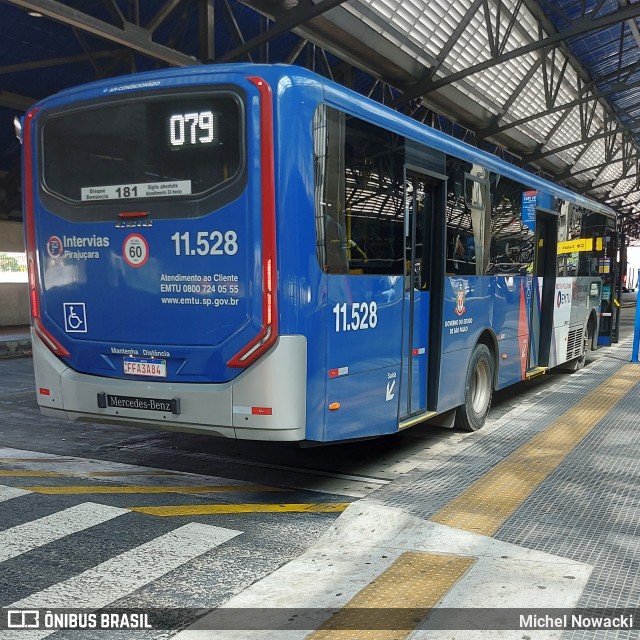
<point>253,251</point>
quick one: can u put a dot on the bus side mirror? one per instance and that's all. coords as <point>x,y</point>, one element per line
<point>17,126</point>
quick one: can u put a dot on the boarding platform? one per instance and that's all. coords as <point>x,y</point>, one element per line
<point>527,529</point>
<point>537,515</point>
<point>15,341</point>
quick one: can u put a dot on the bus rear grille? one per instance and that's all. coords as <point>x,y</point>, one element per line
<point>574,344</point>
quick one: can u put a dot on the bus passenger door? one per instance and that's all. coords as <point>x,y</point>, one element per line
<point>543,292</point>
<point>421,197</point>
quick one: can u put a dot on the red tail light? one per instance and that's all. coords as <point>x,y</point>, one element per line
<point>269,330</point>
<point>32,253</point>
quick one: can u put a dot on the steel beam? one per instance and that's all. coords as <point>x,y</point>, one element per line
<point>15,101</point>
<point>532,157</point>
<point>207,30</point>
<point>54,62</point>
<point>622,196</point>
<point>458,31</point>
<point>285,22</point>
<point>131,35</point>
<point>593,187</point>
<point>163,13</point>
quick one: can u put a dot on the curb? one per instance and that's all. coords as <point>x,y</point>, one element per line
<point>19,348</point>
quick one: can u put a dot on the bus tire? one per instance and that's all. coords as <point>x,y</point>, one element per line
<point>478,392</point>
<point>574,365</point>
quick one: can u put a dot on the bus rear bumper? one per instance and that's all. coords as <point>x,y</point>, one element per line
<point>265,402</point>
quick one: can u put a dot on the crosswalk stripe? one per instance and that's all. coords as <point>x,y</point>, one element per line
<point>7,493</point>
<point>221,509</point>
<point>42,459</point>
<point>78,490</point>
<point>37,533</point>
<point>127,572</point>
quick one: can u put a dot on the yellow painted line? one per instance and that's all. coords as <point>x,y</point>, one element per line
<point>394,604</point>
<point>30,474</point>
<point>225,509</point>
<point>77,490</point>
<point>486,504</point>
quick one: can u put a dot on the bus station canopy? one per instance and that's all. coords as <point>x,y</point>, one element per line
<point>551,85</point>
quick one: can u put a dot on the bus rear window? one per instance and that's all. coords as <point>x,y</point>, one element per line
<point>159,147</point>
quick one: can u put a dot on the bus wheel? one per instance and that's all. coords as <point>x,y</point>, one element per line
<point>478,390</point>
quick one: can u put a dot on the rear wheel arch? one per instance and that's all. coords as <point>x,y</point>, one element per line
<point>488,338</point>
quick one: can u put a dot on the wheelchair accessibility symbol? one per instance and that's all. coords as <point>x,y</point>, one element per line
<point>75,317</point>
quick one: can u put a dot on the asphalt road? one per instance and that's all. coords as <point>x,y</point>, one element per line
<point>180,520</point>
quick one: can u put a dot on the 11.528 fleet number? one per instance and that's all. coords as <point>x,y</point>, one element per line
<point>205,243</point>
<point>355,316</point>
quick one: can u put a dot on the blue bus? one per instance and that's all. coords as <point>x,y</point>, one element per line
<point>255,252</point>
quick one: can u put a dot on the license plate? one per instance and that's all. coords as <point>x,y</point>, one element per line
<point>145,367</point>
<point>135,402</point>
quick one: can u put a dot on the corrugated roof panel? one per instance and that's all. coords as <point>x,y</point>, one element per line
<point>633,198</point>
<point>612,172</point>
<point>622,187</point>
<point>420,28</point>
<point>567,133</point>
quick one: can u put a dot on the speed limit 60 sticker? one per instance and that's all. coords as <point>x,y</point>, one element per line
<point>135,250</point>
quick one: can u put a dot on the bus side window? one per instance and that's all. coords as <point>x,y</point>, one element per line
<point>512,241</point>
<point>580,241</point>
<point>460,247</point>
<point>359,182</point>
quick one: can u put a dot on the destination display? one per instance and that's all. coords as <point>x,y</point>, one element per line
<point>186,129</point>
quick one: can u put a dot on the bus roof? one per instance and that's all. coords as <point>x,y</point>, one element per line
<point>335,95</point>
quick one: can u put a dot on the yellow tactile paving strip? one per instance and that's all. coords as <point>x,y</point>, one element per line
<point>485,505</point>
<point>396,599</point>
<point>420,580</point>
<point>399,598</point>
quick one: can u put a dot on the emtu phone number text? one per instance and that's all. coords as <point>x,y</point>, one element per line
<point>201,285</point>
